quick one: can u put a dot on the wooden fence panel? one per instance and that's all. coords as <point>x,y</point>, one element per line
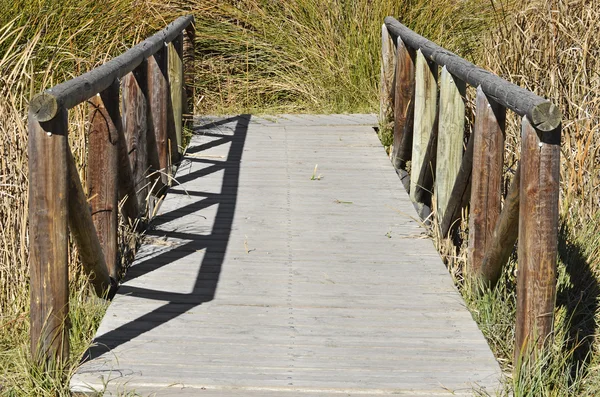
<point>538,237</point>
<point>102,175</point>
<point>425,115</point>
<point>387,78</point>
<point>404,105</point>
<point>176,88</point>
<point>48,237</point>
<point>486,179</point>
<point>450,138</point>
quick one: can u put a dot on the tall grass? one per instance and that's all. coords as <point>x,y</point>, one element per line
<point>315,56</point>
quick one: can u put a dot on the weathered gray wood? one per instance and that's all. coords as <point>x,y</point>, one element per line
<point>486,180</point>
<point>175,54</point>
<point>461,193</point>
<point>102,176</point>
<point>45,106</point>
<point>505,234</point>
<point>544,115</point>
<point>84,232</point>
<point>158,123</point>
<point>425,115</point>
<point>48,238</point>
<point>135,127</point>
<point>451,130</point>
<point>538,238</point>
<point>316,288</point>
<point>424,187</point>
<point>404,106</point>
<point>388,67</point>
<point>189,35</point>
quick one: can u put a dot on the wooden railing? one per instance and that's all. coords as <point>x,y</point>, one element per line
<point>137,106</point>
<point>430,135</point>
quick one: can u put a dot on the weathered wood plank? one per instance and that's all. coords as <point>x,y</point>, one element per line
<point>505,234</point>
<point>48,238</point>
<point>135,126</point>
<point>158,123</point>
<point>486,179</point>
<point>451,130</point>
<point>404,105</point>
<point>83,230</point>
<point>461,193</point>
<point>424,117</point>
<point>318,284</point>
<point>189,35</point>
<point>175,54</point>
<point>102,176</point>
<point>388,67</point>
<point>538,238</point>
<point>544,115</point>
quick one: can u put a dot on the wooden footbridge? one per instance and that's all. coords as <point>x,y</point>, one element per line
<point>286,257</point>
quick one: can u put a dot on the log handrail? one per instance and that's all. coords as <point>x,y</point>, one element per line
<point>138,103</point>
<point>529,215</point>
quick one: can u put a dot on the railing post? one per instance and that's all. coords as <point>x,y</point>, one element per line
<point>486,182</point>
<point>451,129</point>
<point>189,36</point>
<point>424,116</point>
<point>176,89</point>
<point>387,84</point>
<point>135,126</point>
<point>158,93</point>
<point>538,238</point>
<point>48,237</point>
<point>404,105</point>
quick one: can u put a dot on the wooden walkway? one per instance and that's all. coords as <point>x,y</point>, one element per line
<point>259,280</point>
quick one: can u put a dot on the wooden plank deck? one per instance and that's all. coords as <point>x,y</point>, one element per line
<point>258,281</point>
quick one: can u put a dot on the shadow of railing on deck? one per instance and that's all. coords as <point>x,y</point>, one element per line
<point>215,243</point>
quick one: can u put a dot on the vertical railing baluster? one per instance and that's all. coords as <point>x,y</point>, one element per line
<point>486,182</point>
<point>135,126</point>
<point>450,144</point>
<point>102,177</point>
<point>424,115</point>
<point>388,67</point>
<point>158,92</point>
<point>48,237</point>
<point>538,237</point>
<point>189,35</point>
<point>404,105</point>
<point>176,87</point>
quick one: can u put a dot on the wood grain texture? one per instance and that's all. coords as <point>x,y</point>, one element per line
<point>538,238</point>
<point>486,179</point>
<point>404,106</point>
<point>315,288</point>
<point>189,35</point>
<point>461,193</point>
<point>158,119</point>
<point>504,236</point>
<point>48,238</point>
<point>175,53</point>
<point>425,115</point>
<point>135,127</point>
<point>387,80</point>
<point>102,178</point>
<point>544,115</point>
<point>83,230</point>
<point>451,129</point>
